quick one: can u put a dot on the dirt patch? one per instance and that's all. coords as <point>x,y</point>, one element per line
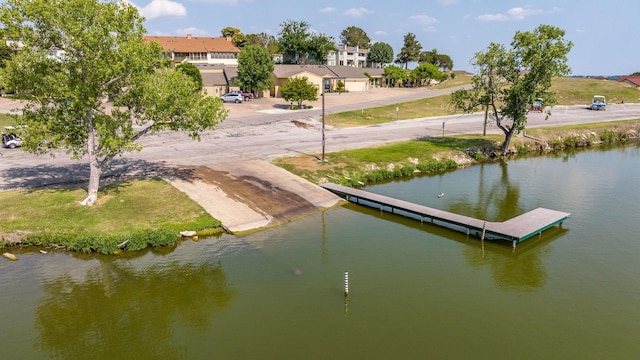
<point>260,195</point>
<point>311,163</point>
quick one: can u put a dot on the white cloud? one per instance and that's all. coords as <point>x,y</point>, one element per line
<point>328,9</point>
<point>193,31</point>
<point>357,12</point>
<point>448,2</point>
<point>380,33</point>
<point>492,17</point>
<point>516,13</point>
<point>519,13</point>
<point>160,8</point>
<point>423,19</point>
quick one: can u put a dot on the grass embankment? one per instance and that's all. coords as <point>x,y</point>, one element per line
<point>570,91</point>
<point>435,106</point>
<point>141,213</point>
<point>6,120</point>
<point>423,156</point>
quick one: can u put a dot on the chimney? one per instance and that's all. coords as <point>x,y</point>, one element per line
<point>188,36</point>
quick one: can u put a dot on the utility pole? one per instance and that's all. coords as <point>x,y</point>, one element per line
<point>322,123</point>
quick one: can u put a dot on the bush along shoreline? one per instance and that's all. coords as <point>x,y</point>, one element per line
<point>107,244</point>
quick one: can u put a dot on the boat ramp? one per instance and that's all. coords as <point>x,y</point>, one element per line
<point>517,229</point>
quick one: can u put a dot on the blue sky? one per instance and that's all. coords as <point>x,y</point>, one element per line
<point>605,33</point>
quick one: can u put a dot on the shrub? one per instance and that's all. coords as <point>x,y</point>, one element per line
<point>104,243</point>
<point>608,136</point>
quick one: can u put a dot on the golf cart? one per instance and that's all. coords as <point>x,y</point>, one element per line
<point>10,139</point>
<point>537,105</point>
<point>598,103</point>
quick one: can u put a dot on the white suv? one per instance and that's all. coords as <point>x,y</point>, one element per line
<point>232,97</point>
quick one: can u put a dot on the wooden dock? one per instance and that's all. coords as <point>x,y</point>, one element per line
<point>517,229</point>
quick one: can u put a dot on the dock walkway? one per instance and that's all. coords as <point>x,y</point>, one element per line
<point>517,229</point>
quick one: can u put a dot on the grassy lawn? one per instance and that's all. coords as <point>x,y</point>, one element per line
<point>6,120</point>
<point>121,209</point>
<point>435,106</point>
<point>572,91</point>
<point>354,167</point>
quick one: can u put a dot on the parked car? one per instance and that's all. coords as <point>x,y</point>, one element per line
<point>246,95</point>
<point>232,97</point>
<point>10,139</point>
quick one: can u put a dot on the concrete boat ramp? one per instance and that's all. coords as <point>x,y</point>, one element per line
<point>251,195</point>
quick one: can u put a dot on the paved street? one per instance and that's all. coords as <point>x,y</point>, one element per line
<point>263,130</point>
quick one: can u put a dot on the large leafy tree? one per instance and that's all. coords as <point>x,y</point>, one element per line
<point>299,89</point>
<point>442,61</point>
<point>294,41</point>
<point>380,53</point>
<point>255,66</point>
<point>395,75</point>
<point>424,73</point>
<point>193,72</point>
<point>509,80</point>
<point>265,40</point>
<point>410,51</point>
<point>355,36</point>
<point>237,37</point>
<point>103,56</point>
<point>319,46</point>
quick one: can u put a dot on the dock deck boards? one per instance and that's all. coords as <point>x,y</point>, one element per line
<point>519,228</point>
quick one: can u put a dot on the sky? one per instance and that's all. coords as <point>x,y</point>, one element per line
<point>605,34</point>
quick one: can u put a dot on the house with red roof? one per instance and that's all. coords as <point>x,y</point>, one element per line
<point>198,50</point>
<point>630,80</point>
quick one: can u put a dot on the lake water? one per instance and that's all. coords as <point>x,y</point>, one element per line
<point>416,291</point>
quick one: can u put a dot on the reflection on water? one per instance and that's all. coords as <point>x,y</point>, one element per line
<point>415,290</point>
<point>123,312</point>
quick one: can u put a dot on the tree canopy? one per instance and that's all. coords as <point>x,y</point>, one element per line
<point>424,73</point>
<point>395,75</point>
<point>265,40</point>
<point>102,55</point>
<point>355,36</point>
<point>299,89</point>
<point>509,80</point>
<point>380,53</point>
<point>255,66</point>
<point>297,43</point>
<point>442,61</point>
<point>410,51</point>
<point>193,72</point>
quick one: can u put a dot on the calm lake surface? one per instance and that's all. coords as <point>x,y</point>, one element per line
<point>417,291</point>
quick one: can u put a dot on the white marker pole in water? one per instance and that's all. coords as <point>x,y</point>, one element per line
<point>346,283</point>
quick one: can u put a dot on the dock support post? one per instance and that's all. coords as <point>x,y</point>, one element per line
<point>515,242</point>
<point>346,284</point>
<point>484,228</point>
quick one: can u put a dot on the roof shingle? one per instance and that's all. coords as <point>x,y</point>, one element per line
<point>186,44</point>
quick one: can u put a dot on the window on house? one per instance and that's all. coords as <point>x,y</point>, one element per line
<point>197,56</point>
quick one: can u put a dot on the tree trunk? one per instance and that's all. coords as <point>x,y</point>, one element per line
<point>94,183</point>
<point>507,140</point>
<point>95,169</point>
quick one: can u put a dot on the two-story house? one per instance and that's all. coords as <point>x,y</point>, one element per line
<point>198,50</point>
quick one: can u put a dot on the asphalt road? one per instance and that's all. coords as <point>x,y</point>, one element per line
<point>265,131</point>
